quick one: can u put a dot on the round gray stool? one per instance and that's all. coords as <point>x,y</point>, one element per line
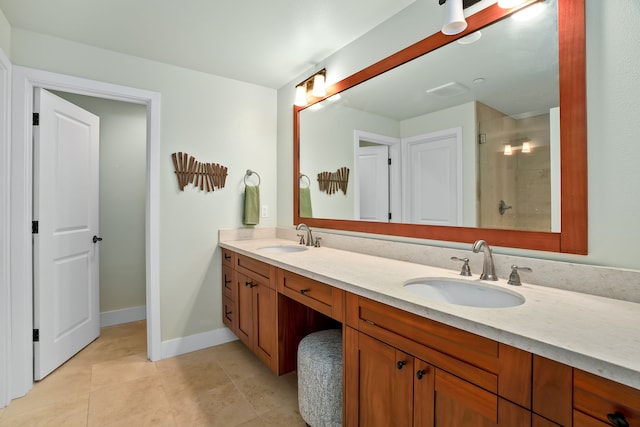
<point>320,378</point>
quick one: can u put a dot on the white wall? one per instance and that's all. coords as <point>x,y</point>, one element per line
<point>5,34</point>
<point>613,70</point>
<point>332,132</point>
<point>123,141</point>
<point>212,118</point>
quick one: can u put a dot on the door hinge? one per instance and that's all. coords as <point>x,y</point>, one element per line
<point>389,216</point>
<point>34,227</point>
<point>389,159</point>
<point>36,119</point>
<point>36,335</point>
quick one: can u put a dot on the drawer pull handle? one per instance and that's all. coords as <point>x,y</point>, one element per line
<point>617,420</point>
<point>249,284</point>
<point>401,364</point>
<point>227,313</point>
<point>226,282</point>
<point>226,256</point>
<point>304,291</point>
<point>421,373</point>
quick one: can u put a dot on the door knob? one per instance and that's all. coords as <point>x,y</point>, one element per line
<point>97,239</point>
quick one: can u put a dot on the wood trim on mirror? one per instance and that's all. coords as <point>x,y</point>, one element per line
<point>573,146</point>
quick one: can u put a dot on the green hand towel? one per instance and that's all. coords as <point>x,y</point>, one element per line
<point>251,205</point>
<point>305,203</point>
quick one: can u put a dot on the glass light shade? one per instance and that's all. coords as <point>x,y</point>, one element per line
<point>301,96</point>
<point>507,150</point>
<point>508,4</point>
<point>454,22</point>
<point>526,147</point>
<point>318,86</point>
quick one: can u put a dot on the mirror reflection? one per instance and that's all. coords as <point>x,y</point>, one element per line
<point>466,135</point>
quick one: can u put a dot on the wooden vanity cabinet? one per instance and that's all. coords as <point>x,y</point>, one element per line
<point>601,402</point>
<point>254,299</point>
<point>229,290</point>
<point>405,370</point>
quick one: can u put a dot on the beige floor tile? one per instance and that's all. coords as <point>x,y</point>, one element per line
<point>68,414</point>
<point>222,406</point>
<point>158,417</point>
<point>121,370</point>
<point>66,385</point>
<point>191,374</point>
<point>116,402</point>
<point>266,391</point>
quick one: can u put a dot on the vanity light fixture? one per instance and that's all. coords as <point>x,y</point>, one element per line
<point>526,147</point>
<point>314,86</point>
<point>454,22</point>
<point>507,150</point>
<point>529,12</point>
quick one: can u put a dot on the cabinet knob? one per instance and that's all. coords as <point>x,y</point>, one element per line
<point>227,313</point>
<point>400,364</point>
<point>249,284</point>
<point>226,256</point>
<point>618,420</point>
<point>421,373</point>
<point>226,282</point>
<point>304,291</point>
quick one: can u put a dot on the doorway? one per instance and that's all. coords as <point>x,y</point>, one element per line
<point>24,81</point>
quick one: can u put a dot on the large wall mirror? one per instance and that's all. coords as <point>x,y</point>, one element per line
<point>457,138</point>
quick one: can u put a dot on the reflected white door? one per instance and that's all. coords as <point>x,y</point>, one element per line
<point>373,183</point>
<point>433,178</point>
<point>65,258</point>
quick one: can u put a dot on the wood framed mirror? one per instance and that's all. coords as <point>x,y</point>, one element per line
<point>572,235</point>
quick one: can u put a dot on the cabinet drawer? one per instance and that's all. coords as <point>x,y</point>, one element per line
<point>598,397</point>
<point>228,257</point>
<point>321,297</point>
<point>227,281</point>
<point>245,264</point>
<point>228,313</point>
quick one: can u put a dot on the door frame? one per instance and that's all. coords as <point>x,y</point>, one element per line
<point>24,81</point>
<point>5,168</point>
<point>395,171</point>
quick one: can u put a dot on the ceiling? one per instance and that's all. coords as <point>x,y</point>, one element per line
<point>268,43</point>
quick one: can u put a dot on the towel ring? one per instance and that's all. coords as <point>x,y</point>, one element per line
<point>249,173</point>
<point>308,180</point>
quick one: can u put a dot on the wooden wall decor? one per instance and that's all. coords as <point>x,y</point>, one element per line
<point>330,182</point>
<point>207,176</point>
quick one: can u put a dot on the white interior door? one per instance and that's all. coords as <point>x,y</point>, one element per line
<point>433,178</point>
<point>373,183</point>
<point>65,203</point>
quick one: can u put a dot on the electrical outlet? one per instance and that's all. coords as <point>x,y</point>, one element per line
<point>264,211</point>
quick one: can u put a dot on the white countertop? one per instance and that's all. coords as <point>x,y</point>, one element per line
<point>595,334</point>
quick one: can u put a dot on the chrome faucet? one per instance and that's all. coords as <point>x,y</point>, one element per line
<point>309,241</point>
<point>488,269</point>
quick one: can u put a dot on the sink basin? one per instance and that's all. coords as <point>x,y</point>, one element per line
<point>463,292</point>
<point>282,249</point>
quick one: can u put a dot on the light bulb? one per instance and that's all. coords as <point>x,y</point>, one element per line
<point>507,150</point>
<point>301,96</point>
<point>526,147</point>
<point>318,86</point>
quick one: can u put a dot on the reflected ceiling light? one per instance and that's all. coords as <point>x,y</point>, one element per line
<point>314,86</point>
<point>454,22</point>
<point>529,12</point>
<point>507,150</point>
<point>526,147</point>
<point>471,38</point>
<point>508,4</point>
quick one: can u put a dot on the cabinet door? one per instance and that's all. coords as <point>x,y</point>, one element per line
<point>460,403</point>
<point>264,323</point>
<point>385,385</point>
<point>423,393</point>
<point>244,317</point>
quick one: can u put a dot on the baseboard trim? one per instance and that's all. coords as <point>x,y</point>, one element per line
<point>125,315</point>
<point>178,346</point>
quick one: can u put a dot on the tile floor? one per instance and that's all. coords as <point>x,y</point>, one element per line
<point>111,383</point>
